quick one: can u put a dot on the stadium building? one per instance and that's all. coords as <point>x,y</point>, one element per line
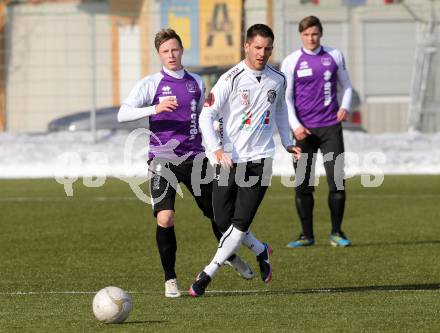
<point>61,57</point>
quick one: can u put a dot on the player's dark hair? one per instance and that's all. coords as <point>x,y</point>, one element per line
<point>309,21</point>
<point>259,30</point>
<point>165,35</point>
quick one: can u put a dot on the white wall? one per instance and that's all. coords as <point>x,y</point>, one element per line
<point>49,62</point>
<point>129,59</point>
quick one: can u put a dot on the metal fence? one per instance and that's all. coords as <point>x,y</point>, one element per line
<point>424,109</point>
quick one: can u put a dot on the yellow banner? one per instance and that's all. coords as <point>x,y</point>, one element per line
<point>220,32</point>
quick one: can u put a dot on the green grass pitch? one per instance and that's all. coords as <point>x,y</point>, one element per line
<point>56,251</point>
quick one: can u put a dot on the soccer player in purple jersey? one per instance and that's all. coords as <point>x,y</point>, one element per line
<point>173,99</point>
<point>313,74</point>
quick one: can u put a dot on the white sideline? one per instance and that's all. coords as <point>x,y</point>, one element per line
<point>30,293</point>
<point>214,292</point>
<point>46,199</point>
<point>268,197</point>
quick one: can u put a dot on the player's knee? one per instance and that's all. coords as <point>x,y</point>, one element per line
<point>165,218</point>
<point>304,190</point>
<point>243,225</point>
<point>336,181</point>
<point>337,194</point>
<point>303,195</point>
<point>223,224</point>
<point>207,212</point>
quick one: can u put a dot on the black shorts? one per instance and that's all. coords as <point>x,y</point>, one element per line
<point>235,202</point>
<point>330,141</point>
<point>163,192</point>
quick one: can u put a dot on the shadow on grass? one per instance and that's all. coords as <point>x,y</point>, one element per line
<point>372,244</point>
<point>429,242</point>
<point>360,289</point>
<point>135,322</point>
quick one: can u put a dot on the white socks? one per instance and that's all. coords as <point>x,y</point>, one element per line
<point>252,243</point>
<point>228,245</point>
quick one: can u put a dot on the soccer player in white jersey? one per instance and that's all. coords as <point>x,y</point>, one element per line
<point>172,99</point>
<point>249,99</point>
<point>313,74</point>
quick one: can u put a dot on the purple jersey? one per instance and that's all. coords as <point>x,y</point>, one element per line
<point>182,124</point>
<point>177,132</point>
<point>315,82</point>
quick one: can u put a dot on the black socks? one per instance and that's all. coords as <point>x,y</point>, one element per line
<point>336,203</point>
<point>304,206</point>
<point>167,245</point>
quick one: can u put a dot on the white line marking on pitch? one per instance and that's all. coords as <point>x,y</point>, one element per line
<point>65,199</point>
<point>133,198</point>
<point>214,292</point>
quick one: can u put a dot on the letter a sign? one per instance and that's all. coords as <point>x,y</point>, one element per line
<point>220,32</point>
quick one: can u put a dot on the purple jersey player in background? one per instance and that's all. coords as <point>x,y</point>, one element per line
<point>313,74</point>
<point>173,99</point>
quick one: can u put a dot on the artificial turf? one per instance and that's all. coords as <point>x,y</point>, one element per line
<point>56,251</point>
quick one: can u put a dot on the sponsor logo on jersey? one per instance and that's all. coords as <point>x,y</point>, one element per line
<point>246,119</point>
<point>232,73</point>
<point>191,87</point>
<point>304,72</point>
<point>327,75</point>
<point>327,88</point>
<point>167,98</point>
<point>193,128</point>
<point>166,90</point>
<point>209,100</point>
<point>271,96</point>
<point>220,130</point>
<point>326,61</point>
<point>267,118</point>
<point>244,97</point>
<point>303,64</point>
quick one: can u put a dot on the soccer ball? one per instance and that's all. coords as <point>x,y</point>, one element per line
<point>111,305</point>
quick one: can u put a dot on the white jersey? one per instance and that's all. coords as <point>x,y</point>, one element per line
<point>248,109</point>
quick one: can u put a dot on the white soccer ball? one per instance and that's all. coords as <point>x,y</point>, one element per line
<point>111,305</point>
